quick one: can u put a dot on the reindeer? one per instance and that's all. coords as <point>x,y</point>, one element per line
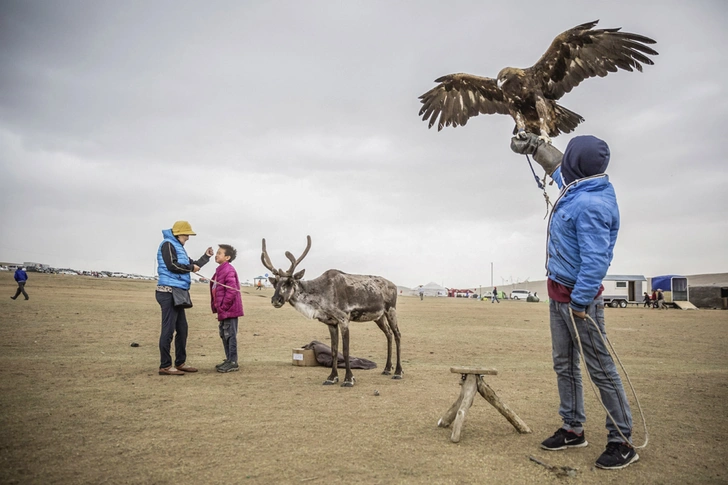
<point>336,298</point>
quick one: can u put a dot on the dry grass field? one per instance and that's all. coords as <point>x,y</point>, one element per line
<point>80,405</point>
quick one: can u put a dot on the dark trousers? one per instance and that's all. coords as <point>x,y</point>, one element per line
<point>173,320</point>
<point>229,335</point>
<point>21,289</point>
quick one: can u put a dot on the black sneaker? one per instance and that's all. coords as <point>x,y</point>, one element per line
<point>229,367</point>
<point>221,364</point>
<point>563,439</point>
<point>616,456</point>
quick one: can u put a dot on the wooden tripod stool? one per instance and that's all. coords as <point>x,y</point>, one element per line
<point>472,378</point>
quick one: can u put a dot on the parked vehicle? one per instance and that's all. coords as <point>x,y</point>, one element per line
<point>519,294</point>
<point>622,290</point>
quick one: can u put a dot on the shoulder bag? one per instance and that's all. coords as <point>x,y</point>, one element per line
<point>181,298</point>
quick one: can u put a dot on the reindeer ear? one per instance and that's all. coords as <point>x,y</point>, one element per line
<point>273,280</point>
<point>299,275</point>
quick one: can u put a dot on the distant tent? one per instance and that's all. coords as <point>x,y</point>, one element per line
<point>430,289</point>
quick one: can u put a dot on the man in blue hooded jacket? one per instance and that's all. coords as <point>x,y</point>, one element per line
<point>582,232</point>
<point>20,278</point>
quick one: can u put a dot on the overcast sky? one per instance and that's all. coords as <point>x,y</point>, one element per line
<point>280,119</point>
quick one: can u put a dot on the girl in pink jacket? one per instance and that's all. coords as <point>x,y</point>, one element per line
<point>226,301</point>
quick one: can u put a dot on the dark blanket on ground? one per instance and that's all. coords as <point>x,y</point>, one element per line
<point>323,357</point>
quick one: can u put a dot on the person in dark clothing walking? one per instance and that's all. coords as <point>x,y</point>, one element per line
<point>647,300</point>
<point>174,268</point>
<point>494,296</point>
<point>20,277</point>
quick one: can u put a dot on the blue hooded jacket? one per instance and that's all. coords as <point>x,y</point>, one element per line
<point>585,221</point>
<point>20,275</point>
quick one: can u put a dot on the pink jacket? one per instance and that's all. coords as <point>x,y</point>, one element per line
<point>226,302</point>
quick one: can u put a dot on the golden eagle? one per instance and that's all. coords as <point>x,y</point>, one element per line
<point>529,95</point>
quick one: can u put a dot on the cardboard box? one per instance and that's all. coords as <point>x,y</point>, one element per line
<point>304,358</point>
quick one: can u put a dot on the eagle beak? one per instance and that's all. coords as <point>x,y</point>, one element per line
<point>499,83</point>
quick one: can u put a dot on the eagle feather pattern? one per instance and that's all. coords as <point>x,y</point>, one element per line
<point>573,56</point>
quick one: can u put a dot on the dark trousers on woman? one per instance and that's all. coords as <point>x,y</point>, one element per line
<point>173,320</point>
<point>21,289</point>
<point>229,335</point>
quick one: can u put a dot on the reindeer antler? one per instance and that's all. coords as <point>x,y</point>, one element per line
<point>266,261</point>
<point>294,261</point>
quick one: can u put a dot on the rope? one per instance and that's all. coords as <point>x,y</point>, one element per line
<point>541,185</point>
<point>607,342</point>
<point>538,180</point>
<point>217,282</point>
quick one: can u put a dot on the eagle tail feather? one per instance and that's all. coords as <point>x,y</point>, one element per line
<point>566,120</point>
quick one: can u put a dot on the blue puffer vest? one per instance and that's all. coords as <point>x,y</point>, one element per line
<point>166,277</point>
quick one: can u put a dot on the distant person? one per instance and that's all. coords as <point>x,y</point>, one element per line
<point>661,300</point>
<point>20,277</point>
<point>582,232</point>
<point>259,286</point>
<point>174,268</point>
<point>653,299</point>
<point>422,293</point>
<point>228,304</point>
<point>647,300</point>
<point>494,296</point>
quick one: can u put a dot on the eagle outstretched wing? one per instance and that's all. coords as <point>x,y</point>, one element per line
<point>459,97</point>
<point>581,53</point>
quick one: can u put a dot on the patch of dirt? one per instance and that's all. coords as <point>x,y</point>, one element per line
<point>81,405</point>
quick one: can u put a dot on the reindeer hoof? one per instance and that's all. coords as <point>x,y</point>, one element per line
<point>397,376</point>
<point>331,382</point>
<point>348,383</point>
<point>386,372</point>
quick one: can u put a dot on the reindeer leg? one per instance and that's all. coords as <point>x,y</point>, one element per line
<point>384,327</point>
<point>349,378</point>
<point>392,318</point>
<point>334,376</point>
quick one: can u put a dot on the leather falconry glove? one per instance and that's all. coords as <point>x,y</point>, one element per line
<point>544,153</point>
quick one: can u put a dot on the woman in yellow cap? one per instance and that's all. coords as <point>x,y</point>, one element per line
<point>173,268</point>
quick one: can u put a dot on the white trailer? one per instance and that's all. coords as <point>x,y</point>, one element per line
<point>622,290</point>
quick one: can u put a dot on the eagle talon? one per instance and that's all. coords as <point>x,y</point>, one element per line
<point>522,134</point>
<point>545,138</point>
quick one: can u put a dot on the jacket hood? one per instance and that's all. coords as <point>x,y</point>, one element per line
<point>167,233</point>
<point>585,156</point>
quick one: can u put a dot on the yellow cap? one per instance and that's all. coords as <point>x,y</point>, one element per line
<point>182,228</point>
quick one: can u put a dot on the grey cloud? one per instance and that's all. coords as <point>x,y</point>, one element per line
<point>282,119</point>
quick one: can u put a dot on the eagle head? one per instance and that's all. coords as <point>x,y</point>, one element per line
<point>507,75</point>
